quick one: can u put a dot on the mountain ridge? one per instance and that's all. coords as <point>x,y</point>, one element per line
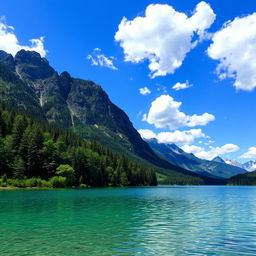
<point>76,104</point>
<point>249,166</point>
<point>189,161</point>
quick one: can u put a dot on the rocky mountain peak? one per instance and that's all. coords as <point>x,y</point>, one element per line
<point>30,65</point>
<point>30,57</point>
<point>218,159</point>
<point>7,60</point>
<point>65,75</point>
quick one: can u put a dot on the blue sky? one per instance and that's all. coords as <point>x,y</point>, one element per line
<point>73,29</point>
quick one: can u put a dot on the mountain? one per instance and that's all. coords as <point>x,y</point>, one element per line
<point>249,166</point>
<point>66,101</point>
<point>30,84</point>
<point>214,168</point>
<point>218,159</point>
<point>32,153</point>
<point>234,163</point>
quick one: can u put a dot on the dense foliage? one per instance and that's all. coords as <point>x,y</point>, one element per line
<point>246,179</point>
<point>32,151</point>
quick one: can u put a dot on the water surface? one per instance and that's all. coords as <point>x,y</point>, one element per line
<point>184,220</point>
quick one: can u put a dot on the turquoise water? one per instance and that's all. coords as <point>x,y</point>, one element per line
<point>129,221</point>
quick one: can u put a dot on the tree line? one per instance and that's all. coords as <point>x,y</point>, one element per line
<point>36,153</point>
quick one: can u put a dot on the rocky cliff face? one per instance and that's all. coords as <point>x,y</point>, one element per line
<point>70,103</point>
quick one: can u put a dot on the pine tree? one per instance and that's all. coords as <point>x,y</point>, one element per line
<point>19,127</point>
<point>18,168</point>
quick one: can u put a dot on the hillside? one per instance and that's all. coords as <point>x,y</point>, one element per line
<point>80,106</point>
<point>215,168</point>
<point>247,179</point>
<point>35,149</point>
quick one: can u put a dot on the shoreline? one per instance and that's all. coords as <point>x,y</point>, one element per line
<point>47,188</point>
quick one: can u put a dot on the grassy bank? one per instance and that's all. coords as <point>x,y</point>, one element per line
<point>54,182</point>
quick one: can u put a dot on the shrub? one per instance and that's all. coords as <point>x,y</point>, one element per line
<point>58,182</point>
<point>33,182</point>
<point>4,178</point>
<point>66,171</point>
<point>2,183</point>
<point>16,183</point>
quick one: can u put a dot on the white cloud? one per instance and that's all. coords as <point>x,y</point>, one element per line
<point>144,117</point>
<point>180,137</point>
<point>144,91</point>
<point>177,137</point>
<point>234,46</point>
<point>203,119</point>
<point>10,44</point>
<point>209,142</point>
<point>192,149</point>
<point>163,36</point>
<point>147,134</point>
<point>210,154</point>
<point>251,153</point>
<point>180,86</point>
<point>99,59</point>
<point>165,112</point>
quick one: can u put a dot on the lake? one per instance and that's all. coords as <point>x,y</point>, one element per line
<point>175,220</point>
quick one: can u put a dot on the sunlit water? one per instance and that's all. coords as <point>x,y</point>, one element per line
<point>129,221</point>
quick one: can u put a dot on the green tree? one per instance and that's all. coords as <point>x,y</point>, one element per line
<point>3,126</point>
<point>65,170</point>
<point>34,158</point>
<point>124,180</point>
<point>19,127</point>
<point>19,168</point>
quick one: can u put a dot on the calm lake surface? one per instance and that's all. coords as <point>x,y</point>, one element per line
<point>183,220</point>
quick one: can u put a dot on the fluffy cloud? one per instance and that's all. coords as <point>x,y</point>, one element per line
<point>177,137</point>
<point>144,91</point>
<point>234,46</point>
<point>147,134</point>
<point>210,154</point>
<point>251,153</point>
<point>99,59</point>
<point>203,119</point>
<point>165,112</point>
<point>180,86</point>
<point>163,36</point>
<point>9,42</point>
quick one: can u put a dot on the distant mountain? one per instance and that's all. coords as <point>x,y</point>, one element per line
<point>249,166</point>
<point>234,163</point>
<point>218,159</point>
<point>215,168</point>
<point>29,83</point>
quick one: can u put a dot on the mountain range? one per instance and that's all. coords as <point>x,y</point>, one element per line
<point>215,168</point>
<point>29,83</point>
<point>249,166</point>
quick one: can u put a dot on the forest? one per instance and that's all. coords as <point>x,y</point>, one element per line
<point>246,179</point>
<point>35,153</point>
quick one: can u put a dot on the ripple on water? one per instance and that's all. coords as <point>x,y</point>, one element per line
<point>133,221</point>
